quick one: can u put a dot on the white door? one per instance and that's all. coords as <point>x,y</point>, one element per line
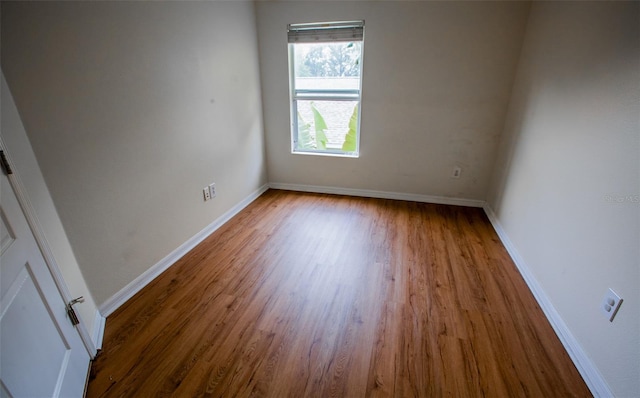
<point>41,353</point>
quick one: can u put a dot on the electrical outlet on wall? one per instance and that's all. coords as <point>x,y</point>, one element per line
<point>206,193</point>
<point>610,304</point>
<point>212,190</point>
<point>457,170</point>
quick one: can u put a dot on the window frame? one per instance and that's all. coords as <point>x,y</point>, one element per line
<point>296,95</point>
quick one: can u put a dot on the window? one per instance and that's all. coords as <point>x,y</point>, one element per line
<point>325,74</point>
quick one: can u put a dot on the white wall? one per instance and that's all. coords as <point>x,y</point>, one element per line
<point>436,84</point>
<point>131,109</point>
<point>26,166</point>
<point>572,138</point>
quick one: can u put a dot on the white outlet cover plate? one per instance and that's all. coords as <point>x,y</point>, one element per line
<point>610,304</point>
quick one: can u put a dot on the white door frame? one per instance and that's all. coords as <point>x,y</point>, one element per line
<point>45,249</point>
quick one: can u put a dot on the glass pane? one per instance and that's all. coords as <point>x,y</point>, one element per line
<point>327,65</point>
<point>324,125</point>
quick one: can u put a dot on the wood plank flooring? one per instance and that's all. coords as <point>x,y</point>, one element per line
<point>309,295</point>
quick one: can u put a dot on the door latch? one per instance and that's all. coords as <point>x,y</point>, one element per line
<point>71,312</point>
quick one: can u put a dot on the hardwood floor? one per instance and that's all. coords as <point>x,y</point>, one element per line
<point>327,296</point>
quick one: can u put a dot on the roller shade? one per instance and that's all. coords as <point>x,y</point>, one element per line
<point>325,32</point>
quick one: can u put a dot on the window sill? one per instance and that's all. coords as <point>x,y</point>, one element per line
<point>328,154</point>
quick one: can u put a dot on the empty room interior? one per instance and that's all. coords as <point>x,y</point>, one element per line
<point>475,230</point>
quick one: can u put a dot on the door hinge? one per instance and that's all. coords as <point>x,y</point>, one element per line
<point>5,163</point>
<point>71,312</point>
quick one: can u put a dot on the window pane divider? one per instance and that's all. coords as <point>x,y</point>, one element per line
<point>325,98</point>
<point>322,91</point>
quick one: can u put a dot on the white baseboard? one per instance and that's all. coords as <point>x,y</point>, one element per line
<point>589,372</point>
<point>115,301</point>
<point>379,194</point>
<point>98,330</point>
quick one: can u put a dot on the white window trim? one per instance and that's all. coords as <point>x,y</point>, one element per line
<point>326,95</point>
